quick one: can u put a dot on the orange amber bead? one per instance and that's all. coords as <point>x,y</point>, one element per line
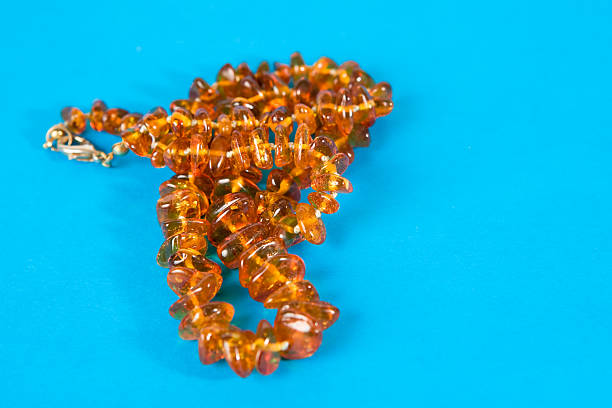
<point>181,280</point>
<point>261,150</point>
<point>174,227</point>
<point>156,122</point>
<point>179,204</point>
<point>299,330</point>
<point>322,149</point>
<point>274,273</point>
<point>210,345</point>
<point>234,185</point>
<point>96,114</point>
<point>331,182</point>
<point>310,223</point>
<point>130,120</point>
<point>180,122</point>
<point>282,149</point>
<point>240,158</point>
<point>199,154</point>
<point>191,259</point>
<point>230,250</point>
<point>291,291</point>
<point>282,183</point>
<point>301,147</point>
<point>344,107</point>
<point>323,313</point>
<point>139,143</point>
<point>326,203</point>
<point>112,120</point>
<point>257,255</point>
<point>219,163</point>
<point>75,119</point>
<point>238,352</point>
<point>266,361</point>
<point>185,240</point>
<point>196,297</point>
<point>202,316</point>
<point>336,165</point>
<point>178,155</point>
<point>326,109</point>
<point>288,230</point>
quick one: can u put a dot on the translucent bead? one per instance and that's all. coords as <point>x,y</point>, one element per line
<point>177,155</point>
<point>330,182</point>
<point>203,125</point>
<point>181,280</point>
<point>156,122</point>
<point>262,153</point>
<point>381,90</point>
<point>195,226</point>
<point>240,158</point>
<point>303,91</point>
<point>256,255</point>
<point>210,345</point>
<point>322,73</point>
<point>228,214</point>
<point>322,149</point>
<point>96,114</point>
<point>129,120</point>
<point>140,143</point>
<point>326,109</point>
<point>239,184</point>
<point>283,71</point>
<point>179,204</point>
<point>282,148</point>
<point>238,352</point>
<point>191,259</point>
<point>310,223</point>
<point>301,176</point>
<point>266,361</point>
<point>195,298</point>
<point>226,81</point>
<point>301,147</point>
<point>299,330</point>
<point>75,119</point>
<point>288,230</point>
<point>181,122</point>
<point>359,136</point>
<point>112,120</point>
<point>253,174</point>
<point>185,240</point>
<point>326,203</point>
<point>218,162</point>
<point>323,313</point>
<point>304,114</point>
<point>361,77</point>
<point>203,316</point>
<point>200,155</point>
<point>282,183</point>
<point>291,291</point>
<point>365,113</point>
<point>336,165</point>
<point>274,273</point>
<point>344,107</point>
<point>280,117</point>
<point>159,147</point>
<point>243,119</point>
<point>230,250</point>
<point>200,90</point>
<point>299,69</point>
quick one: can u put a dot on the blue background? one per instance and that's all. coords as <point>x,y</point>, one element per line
<point>471,264</point>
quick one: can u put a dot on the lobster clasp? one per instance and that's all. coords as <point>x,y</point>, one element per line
<point>75,147</point>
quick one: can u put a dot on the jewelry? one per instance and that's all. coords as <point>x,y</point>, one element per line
<point>217,143</point>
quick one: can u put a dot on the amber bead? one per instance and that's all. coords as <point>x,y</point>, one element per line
<point>239,184</point>
<point>226,81</point>
<point>256,255</point>
<point>280,117</point>
<point>179,204</point>
<point>299,69</point>
<point>326,109</point>
<point>238,352</point>
<point>240,159</point>
<point>210,345</point>
<point>200,90</point>
<point>300,175</point>
<point>181,280</point>
<point>310,223</point>
<point>291,291</point>
<point>230,250</point>
<point>365,114</point>
<point>181,122</point>
<point>112,120</point>
<point>301,147</point>
<point>303,91</point>
<point>266,361</point>
<point>243,119</point>
<point>332,183</point>
<point>261,150</point>
<point>203,316</point>
<point>305,115</point>
<point>191,259</point>
<point>196,226</point>
<point>140,143</point>
<point>274,273</point>
<point>288,230</point>
<point>219,163</point>
<point>336,165</point>
<point>322,73</point>
<point>185,240</point>
<point>130,120</point>
<point>322,149</point>
<point>344,107</point>
<point>202,184</point>
<point>326,203</point>
<point>196,297</point>
<point>224,125</point>
<point>96,114</point>
<point>156,122</point>
<point>75,119</point>
<point>359,136</point>
<point>198,148</point>
<point>253,174</point>
<point>228,214</point>
<point>282,183</point>
<point>323,313</point>
<point>282,149</point>
<point>177,155</point>
<point>298,329</point>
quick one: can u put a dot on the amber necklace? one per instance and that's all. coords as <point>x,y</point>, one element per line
<point>217,142</point>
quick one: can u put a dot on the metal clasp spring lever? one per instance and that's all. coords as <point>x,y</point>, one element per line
<point>60,139</point>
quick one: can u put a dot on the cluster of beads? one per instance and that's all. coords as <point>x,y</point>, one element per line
<point>218,142</point>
